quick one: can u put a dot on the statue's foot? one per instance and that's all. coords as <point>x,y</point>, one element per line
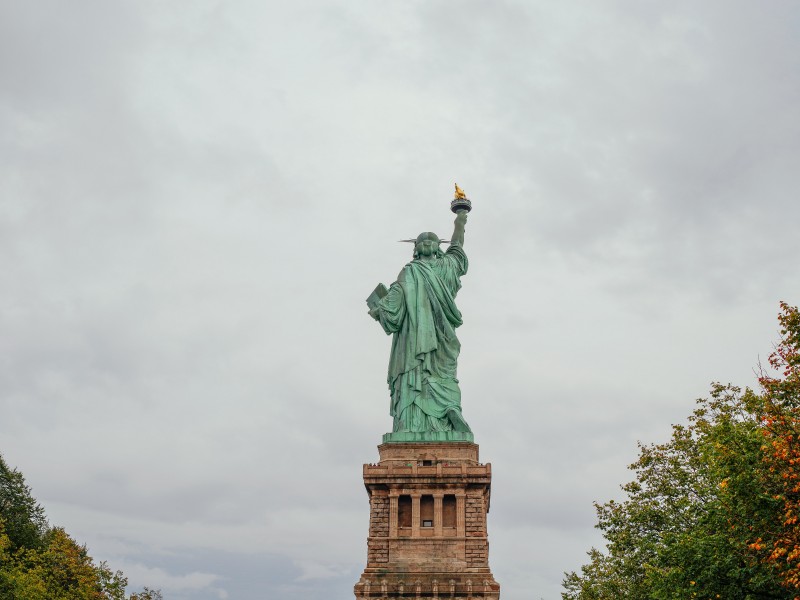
<point>458,422</point>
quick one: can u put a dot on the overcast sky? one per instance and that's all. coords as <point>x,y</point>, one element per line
<point>197,197</point>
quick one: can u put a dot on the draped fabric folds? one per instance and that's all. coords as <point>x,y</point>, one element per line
<point>421,313</point>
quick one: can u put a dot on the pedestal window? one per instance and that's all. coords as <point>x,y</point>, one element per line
<point>449,511</point>
<point>426,511</point>
<point>404,513</point>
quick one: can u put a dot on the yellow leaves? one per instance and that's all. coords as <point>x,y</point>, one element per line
<point>62,569</point>
<point>5,541</point>
<point>777,553</point>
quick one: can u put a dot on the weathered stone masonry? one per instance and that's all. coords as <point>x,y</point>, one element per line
<point>427,530</point>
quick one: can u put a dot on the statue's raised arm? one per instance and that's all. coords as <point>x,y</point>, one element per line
<point>458,230</point>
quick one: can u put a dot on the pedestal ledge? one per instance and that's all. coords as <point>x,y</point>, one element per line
<point>428,436</point>
<point>423,454</point>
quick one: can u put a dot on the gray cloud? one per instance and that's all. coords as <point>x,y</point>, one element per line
<point>195,200</point>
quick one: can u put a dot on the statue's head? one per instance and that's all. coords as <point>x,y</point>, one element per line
<point>427,244</point>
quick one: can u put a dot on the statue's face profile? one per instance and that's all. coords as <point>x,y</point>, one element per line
<point>427,244</point>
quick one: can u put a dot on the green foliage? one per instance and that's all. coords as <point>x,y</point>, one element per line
<point>714,512</point>
<point>147,594</point>
<point>24,520</point>
<point>690,517</point>
<point>113,583</point>
<point>61,570</point>
<point>38,562</point>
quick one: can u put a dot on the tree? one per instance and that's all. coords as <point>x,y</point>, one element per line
<point>113,583</point>
<point>687,526</point>
<point>714,512</point>
<point>24,520</point>
<point>63,570</point>
<point>781,419</point>
<point>147,594</point>
<point>38,562</point>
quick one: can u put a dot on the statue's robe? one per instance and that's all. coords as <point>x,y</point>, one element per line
<point>420,312</point>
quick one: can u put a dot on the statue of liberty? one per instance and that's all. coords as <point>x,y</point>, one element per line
<point>420,312</point>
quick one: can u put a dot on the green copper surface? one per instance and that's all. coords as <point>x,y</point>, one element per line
<point>419,312</point>
<point>428,436</point>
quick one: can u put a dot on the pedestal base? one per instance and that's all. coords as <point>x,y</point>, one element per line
<point>427,532</point>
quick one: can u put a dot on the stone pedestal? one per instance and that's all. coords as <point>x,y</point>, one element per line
<point>427,527</point>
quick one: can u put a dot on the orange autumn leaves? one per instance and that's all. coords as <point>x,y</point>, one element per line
<point>781,430</point>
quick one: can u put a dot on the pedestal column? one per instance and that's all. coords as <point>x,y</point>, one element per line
<point>461,509</point>
<point>393,513</point>
<point>437,514</point>
<point>415,498</point>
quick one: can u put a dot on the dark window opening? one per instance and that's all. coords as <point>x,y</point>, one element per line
<point>426,510</point>
<point>427,463</point>
<point>449,511</point>
<point>404,511</point>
